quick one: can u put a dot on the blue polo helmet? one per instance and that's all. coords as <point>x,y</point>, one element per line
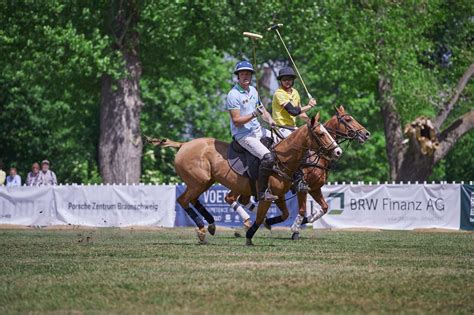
<point>243,65</point>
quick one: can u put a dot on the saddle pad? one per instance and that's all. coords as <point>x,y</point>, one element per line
<point>244,163</point>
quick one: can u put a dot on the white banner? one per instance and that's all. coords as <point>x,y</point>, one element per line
<point>397,207</point>
<point>27,206</point>
<point>107,206</point>
<point>98,206</point>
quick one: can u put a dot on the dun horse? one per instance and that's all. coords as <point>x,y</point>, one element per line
<point>203,161</point>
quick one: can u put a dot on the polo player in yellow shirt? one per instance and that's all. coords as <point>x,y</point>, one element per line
<point>286,104</point>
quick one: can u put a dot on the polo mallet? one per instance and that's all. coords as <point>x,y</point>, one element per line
<point>254,37</point>
<point>275,27</point>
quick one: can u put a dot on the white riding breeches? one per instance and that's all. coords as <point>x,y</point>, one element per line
<point>285,133</point>
<point>252,143</point>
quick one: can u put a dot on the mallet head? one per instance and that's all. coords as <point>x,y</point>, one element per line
<point>274,27</point>
<point>253,35</point>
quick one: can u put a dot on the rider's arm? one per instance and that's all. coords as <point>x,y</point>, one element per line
<point>311,104</point>
<point>296,110</point>
<point>304,117</point>
<point>267,117</point>
<point>292,110</point>
<point>240,120</point>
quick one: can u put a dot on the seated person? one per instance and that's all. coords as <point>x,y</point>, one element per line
<point>13,180</point>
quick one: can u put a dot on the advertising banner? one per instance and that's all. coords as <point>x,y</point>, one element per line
<point>467,207</point>
<point>398,207</point>
<point>112,206</point>
<point>99,206</point>
<point>27,206</point>
<point>213,200</point>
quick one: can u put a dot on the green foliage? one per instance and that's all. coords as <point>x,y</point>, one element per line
<point>51,87</point>
<point>54,54</point>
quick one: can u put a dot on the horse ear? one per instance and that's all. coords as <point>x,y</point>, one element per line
<point>341,109</point>
<point>316,118</point>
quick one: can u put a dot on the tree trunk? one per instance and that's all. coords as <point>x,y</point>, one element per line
<point>392,126</point>
<point>120,144</point>
<point>415,166</point>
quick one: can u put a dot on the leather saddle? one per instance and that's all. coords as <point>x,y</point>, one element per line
<point>243,162</point>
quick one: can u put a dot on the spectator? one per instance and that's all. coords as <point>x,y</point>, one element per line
<point>2,174</point>
<point>33,176</point>
<point>46,176</point>
<point>13,180</point>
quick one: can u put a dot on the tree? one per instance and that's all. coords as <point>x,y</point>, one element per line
<point>388,63</point>
<point>414,164</point>
<point>120,144</point>
<point>386,56</point>
<point>51,55</point>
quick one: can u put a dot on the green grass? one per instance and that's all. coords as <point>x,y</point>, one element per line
<point>164,271</point>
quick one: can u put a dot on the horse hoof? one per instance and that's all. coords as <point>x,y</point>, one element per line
<point>295,236</point>
<point>248,242</point>
<point>212,228</point>
<point>201,234</point>
<point>237,234</point>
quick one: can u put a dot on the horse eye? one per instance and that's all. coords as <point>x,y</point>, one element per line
<point>349,118</point>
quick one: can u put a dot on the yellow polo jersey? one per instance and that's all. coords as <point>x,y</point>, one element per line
<point>280,99</point>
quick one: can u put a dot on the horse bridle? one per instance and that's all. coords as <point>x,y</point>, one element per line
<point>351,133</point>
<point>322,148</point>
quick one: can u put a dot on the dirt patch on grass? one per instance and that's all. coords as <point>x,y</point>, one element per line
<point>438,230</point>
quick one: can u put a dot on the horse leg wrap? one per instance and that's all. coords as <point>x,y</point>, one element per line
<point>243,214</point>
<point>252,230</point>
<point>195,217</point>
<point>274,220</point>
<point>200,208</point>
<point>296,226</point>
<point>251,206</point>
<point>315,216</point>
<point>305,220</point>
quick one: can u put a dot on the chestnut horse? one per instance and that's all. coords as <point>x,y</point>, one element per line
<point>202,162</point>
<point>342,127</point>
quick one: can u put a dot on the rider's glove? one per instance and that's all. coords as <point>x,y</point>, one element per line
<point>258,111</point>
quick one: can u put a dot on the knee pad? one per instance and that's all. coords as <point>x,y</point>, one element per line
<point>268,161</point>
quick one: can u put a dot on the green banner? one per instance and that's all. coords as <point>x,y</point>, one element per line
<point>467,207</point>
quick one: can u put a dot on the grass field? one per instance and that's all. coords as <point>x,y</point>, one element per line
<point>165,271</point>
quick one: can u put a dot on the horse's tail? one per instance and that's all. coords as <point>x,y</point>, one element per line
<point>165,143</point>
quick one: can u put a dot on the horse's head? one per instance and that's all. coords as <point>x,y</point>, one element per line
<point>321,140</point>
<point>344,126</point>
